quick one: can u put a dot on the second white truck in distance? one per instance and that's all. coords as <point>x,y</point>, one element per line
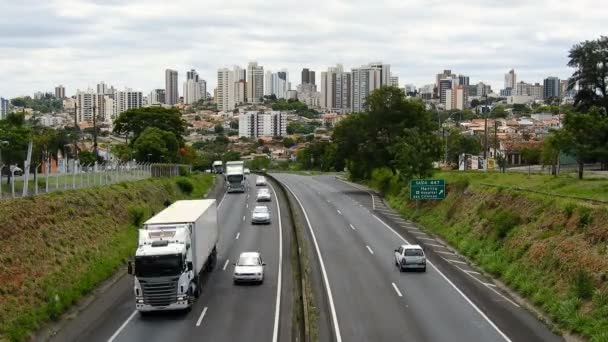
<point>235,176</point>
<point>175,248</point>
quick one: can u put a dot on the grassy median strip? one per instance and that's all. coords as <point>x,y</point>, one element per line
<point>553,251</point>
<point>58,247</point>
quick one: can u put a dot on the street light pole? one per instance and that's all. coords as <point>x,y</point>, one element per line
<point>485,145</point>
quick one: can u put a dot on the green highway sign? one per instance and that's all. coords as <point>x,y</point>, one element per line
<point>427,189</point>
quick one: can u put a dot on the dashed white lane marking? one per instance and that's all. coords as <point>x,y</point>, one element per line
<point>339,212</point>
<point>225,264</point>
<point>243,218</point>
<point>200,319</point>
<point>454,261</point>
<point>122,326</point>
<point>370,250</point>
<point>352,227</point>
<point>397,290</point>
<point>237,235</point>
<point>247,205</point>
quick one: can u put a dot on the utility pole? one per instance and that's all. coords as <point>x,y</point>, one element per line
<point>76,128</point>
<point>485,145</point>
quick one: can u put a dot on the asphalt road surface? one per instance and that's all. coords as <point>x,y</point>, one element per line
<point>370,300</point>
<point>224,312</point>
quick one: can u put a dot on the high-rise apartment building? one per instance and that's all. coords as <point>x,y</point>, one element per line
<point>268,83</point>
<point>88,103</point>
<point>455,98</point>
<point>551,87</point>
<point>171,92</point>
<point>127,99</point>
<point>394,81</point>
<point>510,79</point>
<point>3,108</point>
<point>60,92</point>
<point>336,90</point>
<point>102,88</point>
<point>255,124</point>
<point>157,96</point>
<point>445,85</point>
<point>276,83</point>
<point>366,79</point>
<point>536,91</point>
<point>308,76</point>
<point>463,80</point>
<point>231,88</point>
<point>308,94</point>
<point>195,88</point>
<point>255,83</point>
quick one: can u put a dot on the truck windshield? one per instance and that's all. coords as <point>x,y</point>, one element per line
<point>235,178</point>
<point>158,265</point>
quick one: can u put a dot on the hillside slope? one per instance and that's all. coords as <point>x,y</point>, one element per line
<point>57,247</point>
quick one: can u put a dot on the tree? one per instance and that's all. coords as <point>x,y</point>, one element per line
<point>531,155</point>
<point>475,103</point>
<point>231,156</point>
<point>86,157</point>
<point>585,137</point>
<point>259,163</point>
<point>135,121</point>
<point>234,124</point>
<point>156,145</point>
<point>458,144</point>
<point>415,153</point>
<point>123,152</point>
<point>590,61</point>
<point>288,142</point>
<point>18,102</point>
<point>218,129</point>
<point>499,111</point>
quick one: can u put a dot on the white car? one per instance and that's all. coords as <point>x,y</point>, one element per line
<point>260,215</point>
<point>263,195</point>
<point>260,181</point>
<point>246,171</point>
<point>410,257</point>
<point>249,268</point>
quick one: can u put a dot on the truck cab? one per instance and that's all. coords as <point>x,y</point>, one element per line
<point>235,177</point>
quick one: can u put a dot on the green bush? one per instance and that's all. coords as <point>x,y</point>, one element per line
<point>582,285</point>
<point>185,186</point>
<point>136,216</point>
<point>184,171</point>
<point>381,179</point>
<point>504,221</point>
<point>584,217</point>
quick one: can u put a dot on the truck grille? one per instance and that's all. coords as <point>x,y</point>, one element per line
<point>161,292</point>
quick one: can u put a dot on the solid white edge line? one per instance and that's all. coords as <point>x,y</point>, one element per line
<point>485,317</point>
<point>124,325</point>
<point>226,264</point>
<point>200,319</point>
<point>370,250</point>
<point>277,309</point>
<point>221,201</point>
<point>352,227</point>
<point>237,235</point>
<point>397,290</point>
<point>243,217</point>
<point>323,271</point>
<point>487,285</point>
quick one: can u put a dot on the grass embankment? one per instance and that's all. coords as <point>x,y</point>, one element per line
<point>551,250</point>
<point>58,247</point>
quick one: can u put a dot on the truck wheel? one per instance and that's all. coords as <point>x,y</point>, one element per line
<point>194,290</point>
<point>213,260</point>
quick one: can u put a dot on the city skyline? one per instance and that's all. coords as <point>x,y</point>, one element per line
<point>67,42</point>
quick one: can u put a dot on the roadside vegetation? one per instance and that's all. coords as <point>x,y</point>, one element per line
<point>552,251</point>
<point>58,247</point>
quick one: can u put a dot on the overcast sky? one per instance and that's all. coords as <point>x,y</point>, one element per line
<point>78,43</point>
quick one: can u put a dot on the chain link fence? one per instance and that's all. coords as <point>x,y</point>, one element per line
<point>14,184</point>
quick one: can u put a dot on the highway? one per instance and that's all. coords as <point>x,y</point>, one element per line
<point>354,235</point>
<point>224,312</point>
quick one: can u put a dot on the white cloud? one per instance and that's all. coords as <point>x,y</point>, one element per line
<point>79,43</point>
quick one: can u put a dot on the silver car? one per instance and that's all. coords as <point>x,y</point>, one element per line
<point>249,268</point>
<point>410,257</point>
<point>260,181</point>
<point>260,215</point>
<point>263,195</point>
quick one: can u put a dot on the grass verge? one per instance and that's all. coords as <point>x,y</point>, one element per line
<point>58,247</point>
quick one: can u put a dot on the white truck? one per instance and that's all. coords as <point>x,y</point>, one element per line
<point>176,247</point>
<point>235,176</point>
<point>218,167</point>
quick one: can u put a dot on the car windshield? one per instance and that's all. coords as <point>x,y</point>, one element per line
<point>261,179</point>
<point>235,178</point>
<point>263,192</point>
<point>158,265</point>
<point>260,210</point>
<point>413,252</point>
<point>248,261</point>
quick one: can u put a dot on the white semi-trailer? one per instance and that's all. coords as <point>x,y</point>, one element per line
<point>175,248</point>
<point>235,176</point>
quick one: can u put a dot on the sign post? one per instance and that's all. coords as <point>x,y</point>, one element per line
<point>427,189</point>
